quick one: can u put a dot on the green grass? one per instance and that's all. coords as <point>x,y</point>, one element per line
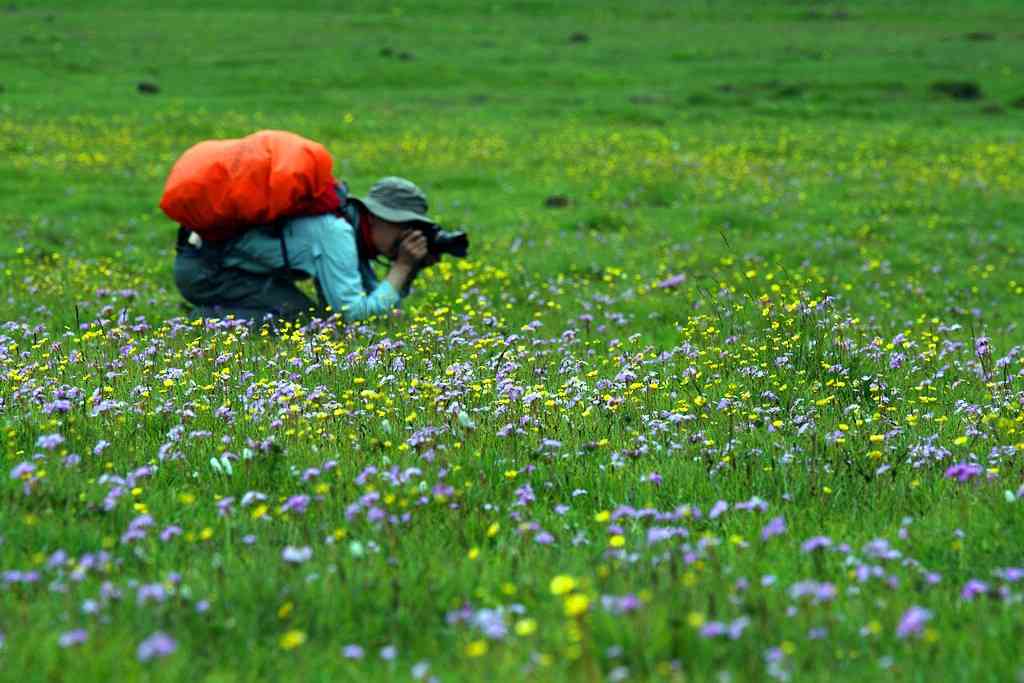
<point>840,236</point>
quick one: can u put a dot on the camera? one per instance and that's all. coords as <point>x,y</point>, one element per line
<point>439,241</point>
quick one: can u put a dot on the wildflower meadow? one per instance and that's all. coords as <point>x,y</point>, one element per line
<point>730,387</point>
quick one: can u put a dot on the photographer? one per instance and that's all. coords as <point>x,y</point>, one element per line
<point>253,275</point>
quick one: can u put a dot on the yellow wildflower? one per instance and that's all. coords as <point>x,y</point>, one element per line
<point>525,627</point>
<point>292,639</point>
<point>576,604</point>
<point>562,584</point>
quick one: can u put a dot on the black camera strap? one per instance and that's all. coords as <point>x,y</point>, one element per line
<point>279,229</point>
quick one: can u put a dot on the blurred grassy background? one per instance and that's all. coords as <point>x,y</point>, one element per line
<point>568,137</point>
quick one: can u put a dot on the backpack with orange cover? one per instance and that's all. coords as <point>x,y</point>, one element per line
<point>221,188</point>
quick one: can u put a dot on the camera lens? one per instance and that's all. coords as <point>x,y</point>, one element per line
<point>454,243</point>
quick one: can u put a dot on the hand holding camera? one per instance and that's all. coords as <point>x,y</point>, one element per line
<point>412,249</point>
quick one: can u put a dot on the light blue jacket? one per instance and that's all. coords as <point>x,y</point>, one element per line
<point>324,248</point>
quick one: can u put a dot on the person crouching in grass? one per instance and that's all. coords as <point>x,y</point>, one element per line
<point>253,276</point>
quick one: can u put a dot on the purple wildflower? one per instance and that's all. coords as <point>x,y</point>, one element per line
<point>524,495</point>
<point>815,543</point>
<point>132,535</point>
<point>296,504</point>
<point>73,638</point>
<point>881,549</point>
<point>296,555</point>
<point>109,591</point>
<point>352,651</point>
<point>49,441</point>
<point>15,576</point>
<point>61,405</point>
<point>618,674</point>
<point>672,281</point>
<point>491,623</point>
<point>623,604</point>
<point>713,629</point>
<point>657,534</point>
<point>982,347</point>
<point>819,592</point>
<point>964,471</point>
<point>150,592</point>
<point>755,504</point>
<point>140,522</point>
<point>737,627</point>
<point>718,629</point>
<point>224,505</point>
<point>457,616</point>
<point>157,645</point>
<point>912,622</point>
<point>57,559</point>
<point>972,589</point>
<point>22,469</point>
<point>1011,574</point>
<point>252,497</point>
<point>775,527</point>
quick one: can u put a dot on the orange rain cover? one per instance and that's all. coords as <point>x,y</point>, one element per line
<point>220,188</point>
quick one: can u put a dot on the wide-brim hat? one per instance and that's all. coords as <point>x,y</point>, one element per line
<point>397,200</point>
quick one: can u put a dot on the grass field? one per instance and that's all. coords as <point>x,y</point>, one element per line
<point>730,388</point>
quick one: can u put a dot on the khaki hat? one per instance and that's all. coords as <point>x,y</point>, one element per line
<point>396,200</point>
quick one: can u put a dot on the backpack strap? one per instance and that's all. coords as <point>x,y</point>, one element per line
<point>344,206</point>
<point>286,270</point>
<point>284,251</point>
<point>182,238</point>
<point>350,211</point>
<point>341,188</point>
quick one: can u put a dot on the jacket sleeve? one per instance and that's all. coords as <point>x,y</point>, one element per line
<point>336,261</point>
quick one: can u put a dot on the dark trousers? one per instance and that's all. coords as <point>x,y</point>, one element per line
<point>217,292</point>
